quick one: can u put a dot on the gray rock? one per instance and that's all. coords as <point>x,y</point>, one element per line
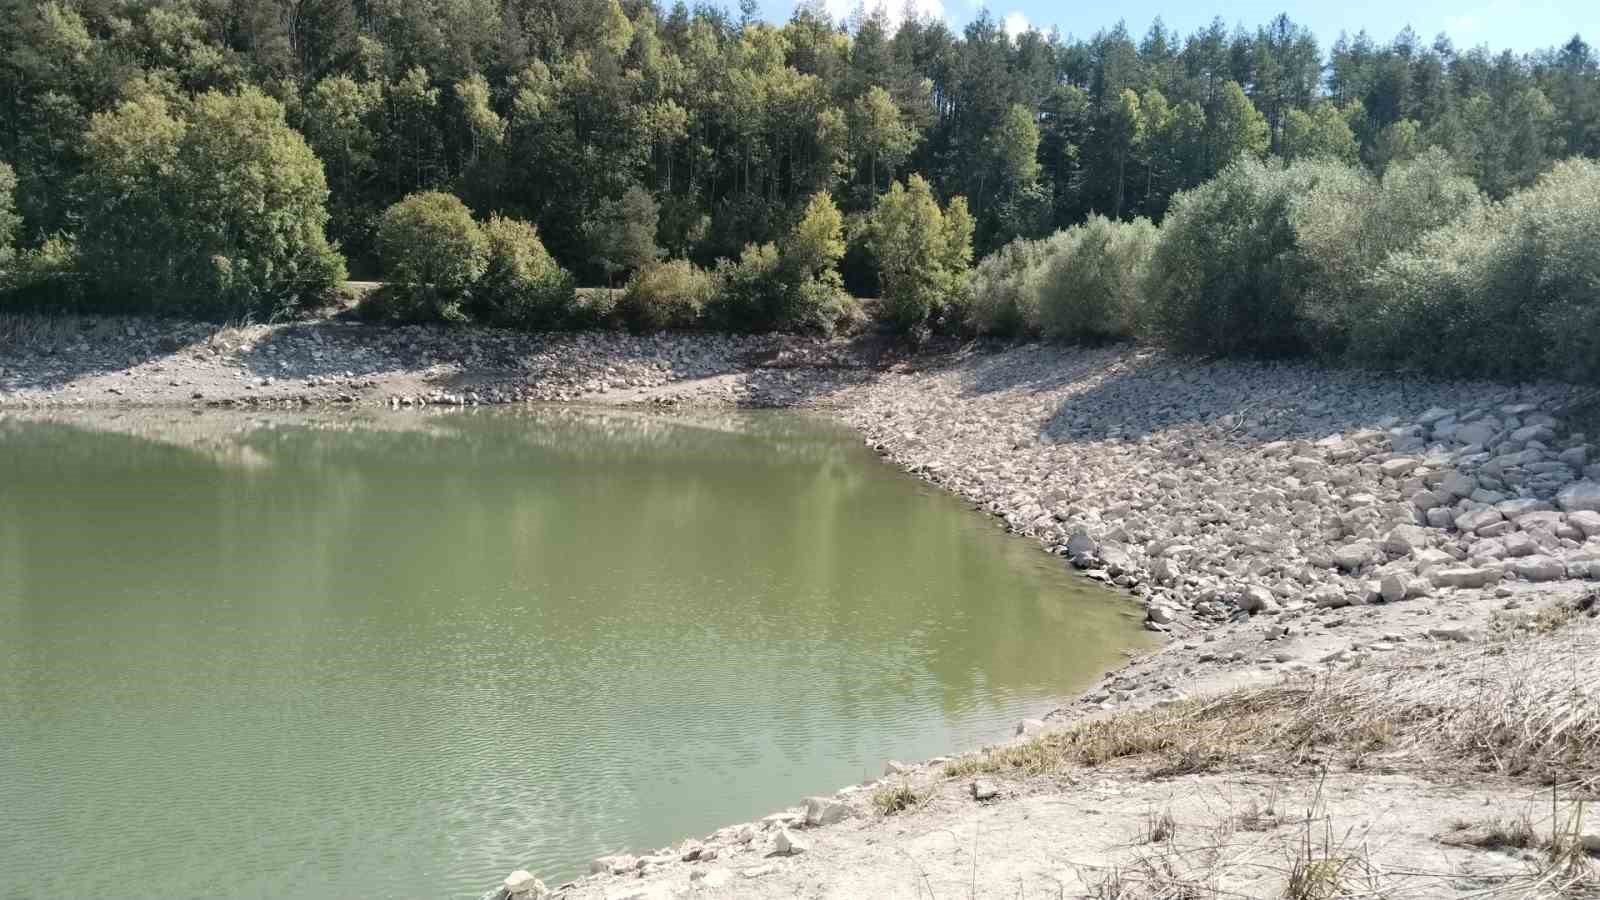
<point>1540,568</point>
<point>1255,598</point>
<point>1029,727</point>
<point>1463,577</point>
<point>1580,495</point>
<point>1459,485</point>
<point>789,844</point>
<point>1475,519</point>
<point>983,790</point>
<point>1394,468</point>
<point>823,811</point>
<point>1520,544</point>
<point>1404,540</point>
<point>1586,521</point>
<point>521,885</point>
<point>1392,588</point>
<point>1351,557</point>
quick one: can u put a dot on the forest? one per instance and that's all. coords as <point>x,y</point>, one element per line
<point>227,156</point>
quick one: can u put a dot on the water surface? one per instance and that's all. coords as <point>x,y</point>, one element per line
<point>399,656</point>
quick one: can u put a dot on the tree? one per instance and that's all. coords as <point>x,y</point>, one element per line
<point>1235,129</point>
<point>1124,131</point>
<point>623,232</point>
<point>922,252</point>
<point>434,253</point>
<point>521,286</point>
<point>879,135</point>
<point>215,207</point>
<point>10,222</point>
<point>1324,132</point>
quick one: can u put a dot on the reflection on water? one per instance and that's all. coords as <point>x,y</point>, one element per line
<point>402,654</point>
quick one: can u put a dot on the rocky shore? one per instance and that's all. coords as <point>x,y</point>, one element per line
<point>1274,520</point>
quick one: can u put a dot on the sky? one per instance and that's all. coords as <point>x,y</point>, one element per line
<point>1519,25</point>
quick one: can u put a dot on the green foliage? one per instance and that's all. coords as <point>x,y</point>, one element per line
<point>213,207</point>
<point>43,278</point>
<point>1509,290</point>
<point>666,295</point>
<point>522,286</point>
<point>623,232</point>
<point>1092,277</point>
<point>792,287</point>
<point>922,252</point>
<point>433,254</point>
<point>1321,133</point>
<point>1225,276</point>
<point>1004,290</point>
<point>10,222</point>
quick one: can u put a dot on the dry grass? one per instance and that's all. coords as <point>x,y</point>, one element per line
<point>1158,827</point>
<point>897,798</point>
<point>1526,706</point>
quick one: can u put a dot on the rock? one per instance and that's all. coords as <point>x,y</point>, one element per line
<point>1351,557</point>
<point>1586,521</point>
<point>1496,529</point>
<point>1403,540</point>
<point>823,811</point>
<point>1520,544</point>
<point>1165,571</point>
<point>1330,597</point>
<point>1478,518</point>
<point>1459,635</point>
<point>1434,414</point>
<point>710,878</point>
<point>1395,468</point>
<point>521,885</point>
<point>1458,485</point>
<point>1392,588</point>
<point>1255,598</point>
<point>1516,509</point>
<point>789,844</point>
<point>983,790</point>
<point>1579,496</point>
<point>1540,568</point>
<point>1463,577</point>
<point>1081,550</point>
<point>745,834</point>
<point>895,767</point>
<point>691,851</point>
<point>1029,727</point>
<point>1159,613</point>
<point>1480,433</point>
<point>613,865</point>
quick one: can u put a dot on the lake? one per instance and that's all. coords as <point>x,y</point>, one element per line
<point>401,654</point>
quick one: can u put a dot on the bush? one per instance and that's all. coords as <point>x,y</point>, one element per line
<point>1003,291</point>
<point>215,207</point>
<point>795,287</point>
<point>1349,222</point>
<point>10,222</point>
<point>1224,278</point>
<point>1089,287</point>
<point>433,253</point>
<point>1509,290</point>
<point>670,294</point>
<point>44,278</point>
<point>522,286</point>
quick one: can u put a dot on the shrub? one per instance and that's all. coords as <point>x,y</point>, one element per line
<point>44,278</point>
<point>1348,222</point>
<point>433,253</point>
<point>1003,294</point>
<point>522,286</point>
<point>1509,290</point>
<point>750,293</point>
<point>1090,283</point>
<point>10,222</point>
<point>923,255</point>
<point>214,206</point>
<point>669,294</point>
<point>792,287</point>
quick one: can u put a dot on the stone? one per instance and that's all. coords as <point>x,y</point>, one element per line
<point>612,865</point>
<point>710,878</point>
<point>1463,577</point>
<point>1394,468</point>
<point>1330,597</point>
<point>1579,496</point>
<point>1475,519</point>
<point>983,790</point>
<point>1159,613</point>
<point>1520,544</point>
<point>1353,556</point>
<point>1081,550</point>
<point>1586,521</point>
<point>895,767</point>
<point>789,844</point>
<point>1540,568</point>
<point>1029,727</point>
<point>1434,414</point>
<point>1392,588</point>
<point>1440,517</point>
<point>1459,485</point>
<point>1165,571</point>
<point>1480,433</point>
<point>823,811</point>
<point>1255,598</point>
<point>1496,529</point>
<point>1403,540</point>
<point>1516,509</point>
<point>521,885</point>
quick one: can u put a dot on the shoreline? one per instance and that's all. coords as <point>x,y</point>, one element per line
<point>1273,521</point>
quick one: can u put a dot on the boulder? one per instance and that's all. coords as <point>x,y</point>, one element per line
<point>1400,465</point>
<point>1165,571</point>
<point>789,844</point>
<point>1463,577</point>
<point>1579,496</point>
<point>1473,520</point>
<point>1520,544</point>
<point>521,885</point>
<point>1330,597</point>
<point>1404,540</point>
<point>1458,485</point>
<point>983,790</point>
<point>1516,509</point>
<point>1351,557</point>
<point>1392,588</point>
<point>1255,598</point>
<point>823,811</point>
<point>1540,568</point>
<point>613,865</point>
<point>1586,521</point>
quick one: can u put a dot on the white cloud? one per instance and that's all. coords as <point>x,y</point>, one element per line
<point>1463,25</point>
<point>893,10</point>
<point>1015,23</point>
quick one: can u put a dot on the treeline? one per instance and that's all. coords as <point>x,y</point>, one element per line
<point>485,156</point>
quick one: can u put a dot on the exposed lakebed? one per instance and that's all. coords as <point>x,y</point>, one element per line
<point>398,654</point>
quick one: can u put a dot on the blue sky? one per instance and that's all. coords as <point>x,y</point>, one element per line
<point>1519,25</point>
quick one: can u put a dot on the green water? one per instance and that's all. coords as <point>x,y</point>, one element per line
<point>400,656</point>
